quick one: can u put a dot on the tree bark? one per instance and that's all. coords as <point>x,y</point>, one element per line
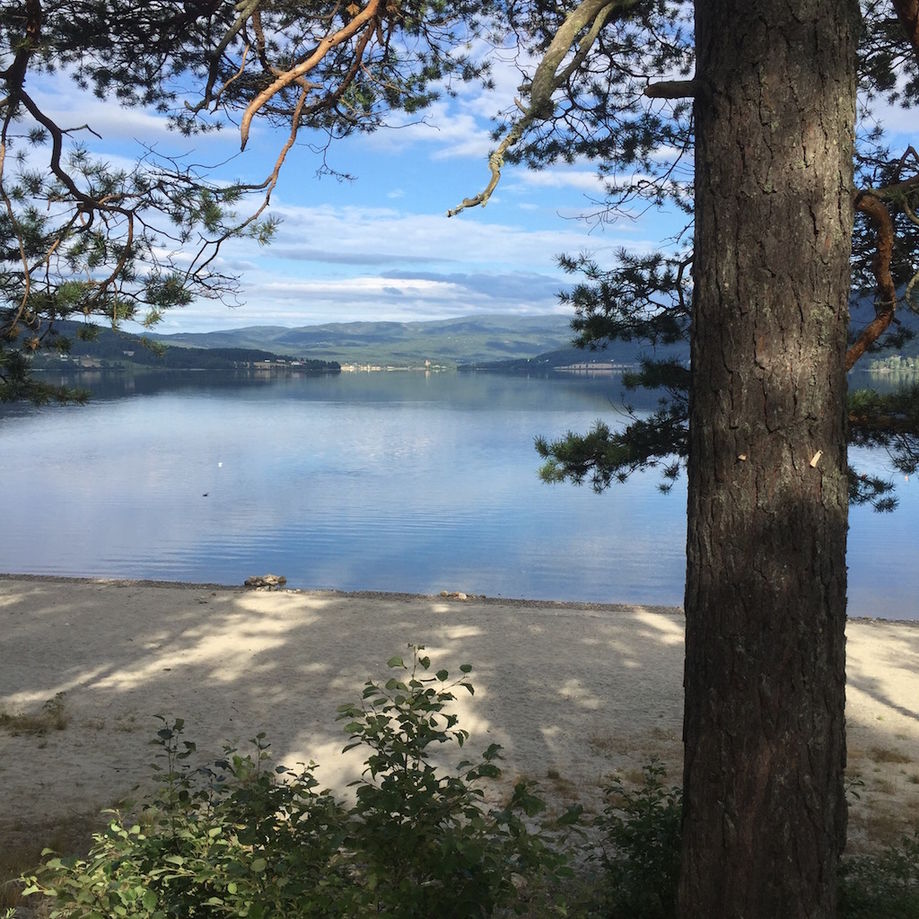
<point>764,729</point>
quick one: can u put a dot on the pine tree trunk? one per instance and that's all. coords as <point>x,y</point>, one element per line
<point>764,728</point>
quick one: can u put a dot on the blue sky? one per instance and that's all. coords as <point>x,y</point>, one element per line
<point>381,247</point>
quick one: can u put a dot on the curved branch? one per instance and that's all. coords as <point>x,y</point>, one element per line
<point>246,9</point>
<point>547,79</point>
<point>871,205</point>
<point>57,148</point>
<point>290,76</point>
<point>15,74</point>
<point>269,184</point>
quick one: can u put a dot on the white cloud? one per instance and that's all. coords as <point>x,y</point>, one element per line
<point>453,133</point>
<point>561,178</point>
<point>294,302</point>
<point>351,263</point>
<point>900,123</point>
<point>359,288</point>
<point>69,106</point>
<point>389,236</point>
<point>667,154</point>
<point>461,125</point>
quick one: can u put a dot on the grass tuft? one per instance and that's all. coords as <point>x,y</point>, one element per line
<point>52,717</point>
<point>888,755</point>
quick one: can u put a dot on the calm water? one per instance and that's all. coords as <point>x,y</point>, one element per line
<point>396,482</point>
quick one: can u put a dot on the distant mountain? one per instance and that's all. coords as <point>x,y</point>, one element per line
<point>107,347</point>
<point>448,342</point>
<point>503,343</point>
<point>630,353</point>
<point>619,355</point>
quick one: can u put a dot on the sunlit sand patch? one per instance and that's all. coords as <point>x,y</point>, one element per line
<point>281,603</point>
<point>228,642</point>
<point>334,768</point>
<point>577,690</point>
<point>554,738</point>
<point>459,632</point>
<point>28,698</point>
<point>665,628</point>
<point>574,691</point>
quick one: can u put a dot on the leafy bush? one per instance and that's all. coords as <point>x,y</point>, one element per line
<point>880,886</point>
<point>640,855</point>
<point>238,839</point>
<point>640,847</point>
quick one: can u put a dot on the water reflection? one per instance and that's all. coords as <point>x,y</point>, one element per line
<point>400,482</point>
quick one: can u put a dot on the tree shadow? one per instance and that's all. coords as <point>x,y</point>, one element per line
<point>572,692</point>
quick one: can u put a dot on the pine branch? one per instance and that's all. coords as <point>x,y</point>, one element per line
<point>591,15</point>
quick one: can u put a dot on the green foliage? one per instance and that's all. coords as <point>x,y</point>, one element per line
<point>239,839</point>
<point>603,455</point>
<point>427,837</point>
<point>205,844</point>
<point>642,298</point>
<point>875,886</point>
<point>889,421</point>
<point>640,847</point>
<point>83,239</point>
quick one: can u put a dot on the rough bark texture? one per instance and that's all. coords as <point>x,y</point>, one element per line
<point>764,731</point>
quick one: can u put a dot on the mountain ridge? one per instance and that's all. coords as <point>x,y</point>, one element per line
<point>496,342</point>
<point>464,339</point>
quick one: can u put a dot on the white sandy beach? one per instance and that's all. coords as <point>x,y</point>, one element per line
<point>571,691</point>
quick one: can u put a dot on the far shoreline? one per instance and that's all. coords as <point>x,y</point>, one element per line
<point>388,595</point>
<point>369,594</point>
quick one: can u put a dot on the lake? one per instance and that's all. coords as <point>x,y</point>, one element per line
<point>376,481</point>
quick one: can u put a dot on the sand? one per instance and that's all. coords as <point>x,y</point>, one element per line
<point>572,692</point>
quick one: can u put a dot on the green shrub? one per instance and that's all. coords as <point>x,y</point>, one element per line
<point>640,855</point>
<point>231,839</point>
<point>640,847</point>
<point>884,886</point>
<point>238,839</point>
